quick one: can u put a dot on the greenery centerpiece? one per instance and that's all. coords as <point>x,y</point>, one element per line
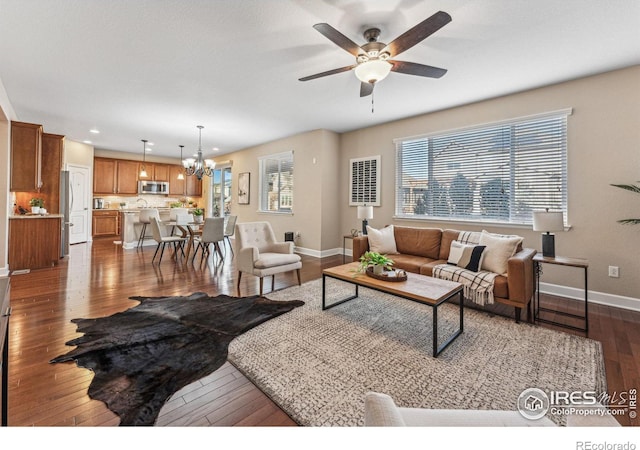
<point>378,262</point>
<point>632,188</point>
<point>36,203</point>
<point>198,214</point>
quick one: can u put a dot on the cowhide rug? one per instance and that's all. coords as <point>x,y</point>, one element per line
<point>144,355</point>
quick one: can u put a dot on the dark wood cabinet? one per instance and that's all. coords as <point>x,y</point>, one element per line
<point>115,176</point>
<point>52,147</point>
<point>127,177</point>
<point>176,187</point>
<point>161,172</point>
<point>106,223</point>
<point>26,154</point>
<point>194,187</point>
<point>34,242</point>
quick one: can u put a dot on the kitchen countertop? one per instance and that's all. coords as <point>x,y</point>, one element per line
<point>36,216</point>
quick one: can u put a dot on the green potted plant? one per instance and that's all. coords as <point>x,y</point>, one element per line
<point>379,263</point>
<point>198,214</point>
<point>632,188</point>
<point>36,203</point>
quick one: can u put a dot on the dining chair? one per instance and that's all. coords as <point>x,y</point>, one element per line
<point>212,233</point>
<point>173,214</point>
<point>160,236</point>
<point>261,255</point>
<point>229,230</point>
<point>145,219</point>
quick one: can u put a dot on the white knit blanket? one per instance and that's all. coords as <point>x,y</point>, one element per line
<point>478,286</point>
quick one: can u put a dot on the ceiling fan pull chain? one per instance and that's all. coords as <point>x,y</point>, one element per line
<point>372,94</point>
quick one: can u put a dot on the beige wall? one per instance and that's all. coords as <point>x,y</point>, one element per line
<point>315,154</point>
<point>6,116</point>
<point>603,139</point>
<point>77,153</point>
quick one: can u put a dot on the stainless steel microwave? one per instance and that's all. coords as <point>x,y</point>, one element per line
<point>153,187</point>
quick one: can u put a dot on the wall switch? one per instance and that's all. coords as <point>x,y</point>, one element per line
<point>614,271</point>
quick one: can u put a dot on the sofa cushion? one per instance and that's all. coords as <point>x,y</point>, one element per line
<point>467,256</point>
<point>418,241</point>
<point>499,249</point>
<point>266,260</point>
<point>448,236</point>
<point>410,263</point>
<point>427,269</point>
<point>381,411</point>
<point>382,241</point>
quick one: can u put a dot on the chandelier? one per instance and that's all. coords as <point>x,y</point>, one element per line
<point>199,166</point>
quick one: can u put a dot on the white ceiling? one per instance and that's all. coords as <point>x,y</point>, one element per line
<point>155,69</point>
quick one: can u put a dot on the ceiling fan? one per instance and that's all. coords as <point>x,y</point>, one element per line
<point>373,59</point>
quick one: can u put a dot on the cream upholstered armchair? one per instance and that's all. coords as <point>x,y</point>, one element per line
<point>258,253</point>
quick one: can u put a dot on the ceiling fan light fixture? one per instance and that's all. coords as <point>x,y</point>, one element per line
<point>373,71</point>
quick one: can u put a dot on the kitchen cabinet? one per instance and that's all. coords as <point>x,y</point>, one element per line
<point>115,176</point>
<point>34,241</point>
<point>106,223</point>
<point>52,147</point>
<point>155,171</point>
<point>177,187</point>
<point>194,186</point>
<point>26,154</point>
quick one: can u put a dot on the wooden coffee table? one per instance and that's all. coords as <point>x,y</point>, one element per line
<point>418,288</point>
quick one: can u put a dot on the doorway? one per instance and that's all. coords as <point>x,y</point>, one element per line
<point>79,213</point>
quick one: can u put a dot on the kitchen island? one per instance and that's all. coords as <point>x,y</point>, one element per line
<point>34,241</point>
<point>131,227</point>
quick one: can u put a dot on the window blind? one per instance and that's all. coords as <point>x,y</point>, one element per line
<point>276,182</point>
<point>496,173</point>
<point>364,188</point>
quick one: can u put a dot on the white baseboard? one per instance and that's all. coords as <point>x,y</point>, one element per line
<point>318,253</point>
<point>4,272</point>
<point>601,298</point>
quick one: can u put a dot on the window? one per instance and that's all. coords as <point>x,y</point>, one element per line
<point>276,183</point>
<point>494,173</point>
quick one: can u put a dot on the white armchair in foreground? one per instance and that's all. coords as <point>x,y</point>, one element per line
<point>258,253</point>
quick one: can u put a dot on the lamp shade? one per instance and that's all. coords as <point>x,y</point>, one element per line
<point>548,221</point>
<point>373,71</point>
<point>365,212</point>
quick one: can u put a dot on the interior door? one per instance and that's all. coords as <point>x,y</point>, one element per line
<point>79,212</point>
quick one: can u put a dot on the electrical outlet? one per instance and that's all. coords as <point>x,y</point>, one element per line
<point>614,271</point>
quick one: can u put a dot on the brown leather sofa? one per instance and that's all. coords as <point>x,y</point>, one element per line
<point>421,249</point>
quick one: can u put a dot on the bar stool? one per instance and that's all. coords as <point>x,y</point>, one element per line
<point>145,219</point>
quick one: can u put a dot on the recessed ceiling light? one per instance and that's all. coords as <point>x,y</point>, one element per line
<point>87,142</point>
<point>150,143</point>
<point>94,131</point>
<point>216,149</point>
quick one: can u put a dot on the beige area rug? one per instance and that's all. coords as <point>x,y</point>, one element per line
<point>318,365</point>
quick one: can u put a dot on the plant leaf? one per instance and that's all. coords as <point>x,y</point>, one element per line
<point>628,187</point>
<point>630,221</point>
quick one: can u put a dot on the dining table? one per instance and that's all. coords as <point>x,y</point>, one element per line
<point>189,230</point>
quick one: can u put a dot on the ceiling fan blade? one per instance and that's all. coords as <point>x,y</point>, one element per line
<point>366,89</point>
<point>338,38</point>
<point>328,72</point>
<point>418,33</point>
<point>421,70</point>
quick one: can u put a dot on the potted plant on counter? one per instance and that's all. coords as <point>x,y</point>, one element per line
<point>36,203</point>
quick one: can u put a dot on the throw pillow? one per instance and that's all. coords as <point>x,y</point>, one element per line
<point>382,241</point>
<point>499,249</point>
<point>467,256</point>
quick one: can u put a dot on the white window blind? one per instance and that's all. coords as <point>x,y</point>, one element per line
<point>276,183</point>
<point>495,173</point>
<point>364,187</point>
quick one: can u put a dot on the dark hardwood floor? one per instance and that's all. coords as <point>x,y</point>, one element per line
<point>97,280</point>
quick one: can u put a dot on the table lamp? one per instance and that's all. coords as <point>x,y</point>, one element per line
<point>365,213</point>
<point>548,221</point>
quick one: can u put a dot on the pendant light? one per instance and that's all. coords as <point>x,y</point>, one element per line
<point>181,174</point>
<point>143,168</point>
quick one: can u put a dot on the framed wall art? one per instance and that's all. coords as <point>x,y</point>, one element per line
<point>244,187</point>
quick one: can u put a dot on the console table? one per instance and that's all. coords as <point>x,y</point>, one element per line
<point>538,260</point>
